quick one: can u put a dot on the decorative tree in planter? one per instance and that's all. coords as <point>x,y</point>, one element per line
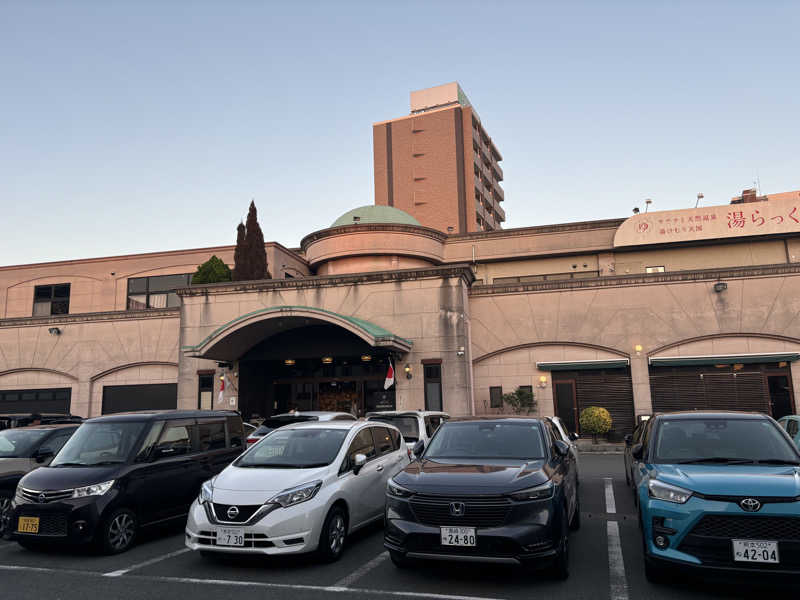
<point>211,271</point>
<point>595,420</point>
<point>521,401</point>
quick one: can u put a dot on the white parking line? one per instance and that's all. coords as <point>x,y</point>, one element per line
<point>254,584</point>
<point>616,564</point>
<point>361,571</point>
<point>611,506</point>
<point>145,563</point>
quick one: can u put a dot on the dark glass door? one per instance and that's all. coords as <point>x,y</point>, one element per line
<point>780,396</point>
<point>565,404</point>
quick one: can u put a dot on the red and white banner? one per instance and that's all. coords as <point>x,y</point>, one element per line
<point>389,381</point>
<point>221,397</point>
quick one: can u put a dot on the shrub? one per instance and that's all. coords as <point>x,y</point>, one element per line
<point>595,420</point>
<point>211,271</point>
<point>521,401</point>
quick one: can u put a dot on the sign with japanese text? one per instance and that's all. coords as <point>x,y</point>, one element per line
<point>779,214</point>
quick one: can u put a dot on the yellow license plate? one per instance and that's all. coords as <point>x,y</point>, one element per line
<point>28,525</point>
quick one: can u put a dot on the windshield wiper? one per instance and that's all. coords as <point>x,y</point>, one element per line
<point>105,462</point>
<point>273,466</point>
<point>777,461</point>
<point>716,459</point>
<point>70,464</point>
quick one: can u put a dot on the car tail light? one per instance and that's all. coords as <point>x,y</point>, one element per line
<point>251,440</point>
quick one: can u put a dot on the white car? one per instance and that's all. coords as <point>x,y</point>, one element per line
<point>415,425</point>
<point>304,487</point>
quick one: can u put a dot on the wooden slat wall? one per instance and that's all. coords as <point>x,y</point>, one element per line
<point>683,388</point>
<point>609,388</point>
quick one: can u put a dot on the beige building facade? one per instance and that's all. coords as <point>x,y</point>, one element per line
<point>611,313</point>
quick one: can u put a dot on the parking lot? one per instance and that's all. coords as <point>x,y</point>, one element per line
<point>605,562</point>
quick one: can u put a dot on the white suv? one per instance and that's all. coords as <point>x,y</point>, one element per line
<point>415,425</point>
<point>301,488</point>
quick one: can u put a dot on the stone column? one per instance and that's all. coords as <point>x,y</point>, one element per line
<point>640,380</point>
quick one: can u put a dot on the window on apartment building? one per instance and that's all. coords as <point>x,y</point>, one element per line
<point>51,300</point>
<point>157,291</point>
<point>654,269</point>
<point>433,386</point>
<point>495,397</point>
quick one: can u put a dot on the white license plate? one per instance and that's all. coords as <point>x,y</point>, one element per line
<point>230,536</point>
<point>458,536</point>
<point>756,551</point>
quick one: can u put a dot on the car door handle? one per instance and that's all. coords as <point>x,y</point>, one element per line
<point>380,468</point>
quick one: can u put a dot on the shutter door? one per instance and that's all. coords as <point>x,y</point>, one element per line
<point>55,401</point>
<point>708,388</point>
<point>610,389</point>
<point>127,398</point>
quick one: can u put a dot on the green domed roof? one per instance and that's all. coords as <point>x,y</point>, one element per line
<point>375,214</point>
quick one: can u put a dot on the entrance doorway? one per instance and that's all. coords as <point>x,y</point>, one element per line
<point>566,403</point>
<point>780,395</point>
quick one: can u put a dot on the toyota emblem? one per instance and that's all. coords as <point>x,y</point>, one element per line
<point>42,497</point>
<point>233,512</point>
<point>750,505</point>
<point>457,509</point>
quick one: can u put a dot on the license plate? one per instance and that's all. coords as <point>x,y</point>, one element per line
<point>458,536</point>
<point>230,536</point>
<point>28,525</point>
<point>756,551</point>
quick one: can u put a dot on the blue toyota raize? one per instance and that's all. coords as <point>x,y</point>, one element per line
<point>718,491</point>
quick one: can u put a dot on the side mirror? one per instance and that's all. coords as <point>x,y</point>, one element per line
<point>419,448</point>
<point>359,463</point>
<point>628,440</point>
<point>574,436</point>
<point>562,448</point>
<point>637,451</point>
<point>43,454</point>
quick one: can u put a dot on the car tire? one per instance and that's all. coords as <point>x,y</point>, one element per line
<point>5,512</point>
<point>400,560</point>
<point>575,524</point>
<point>560,568</point>
<point>117,532</point>
<point>333,536</point>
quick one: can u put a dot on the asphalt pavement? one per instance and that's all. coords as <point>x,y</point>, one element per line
<point>606,562</point>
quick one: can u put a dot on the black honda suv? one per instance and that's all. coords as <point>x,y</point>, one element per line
<point>498,490</point>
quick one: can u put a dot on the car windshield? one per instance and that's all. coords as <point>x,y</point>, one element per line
<point>722,440</point>
<point>408,426</point>
<point>16,443</point>
<point>100,443</point>
<point>487,440</point>
<point>295,448</point>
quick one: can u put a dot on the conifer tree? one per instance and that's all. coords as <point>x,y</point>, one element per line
<point>240,266</point>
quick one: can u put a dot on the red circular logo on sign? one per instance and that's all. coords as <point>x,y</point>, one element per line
<point>643,227</point>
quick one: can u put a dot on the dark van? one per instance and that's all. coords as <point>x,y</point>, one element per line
<point>121,472</point>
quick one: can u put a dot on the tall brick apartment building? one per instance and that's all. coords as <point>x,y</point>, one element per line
<point>439,165</point>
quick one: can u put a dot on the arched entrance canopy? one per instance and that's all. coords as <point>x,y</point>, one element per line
<point>229,341</point>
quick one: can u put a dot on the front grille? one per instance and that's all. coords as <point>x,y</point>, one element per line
<point>710,539</point>
<point>44,497</point>
<point>251,540</point>
<point>748,527</point>
<point>245,512</point>
<point>50,524</point>
<point>478,512</point>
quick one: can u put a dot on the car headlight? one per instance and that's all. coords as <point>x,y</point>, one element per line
<point>398,491</point>
<point>98,489</point>
<point>539,492</point>
<point>206,491</point>
<point>296,495</point>
<point>669,493</point>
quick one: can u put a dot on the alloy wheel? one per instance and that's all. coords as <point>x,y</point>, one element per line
<point>121,531</point>
<point>336,534</point>
<point>5,508</point>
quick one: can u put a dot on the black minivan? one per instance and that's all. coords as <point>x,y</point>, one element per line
<point>120,472</point>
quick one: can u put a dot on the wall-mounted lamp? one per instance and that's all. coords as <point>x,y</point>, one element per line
<point>720,287</point>
<point>289,362</point>
<point>366,357</point>
<point>54,331</point>
<point>460,351</point>
<point>407,369</point>
<point>326,360</point>
<point>543,381</point>
<point>638,348</point>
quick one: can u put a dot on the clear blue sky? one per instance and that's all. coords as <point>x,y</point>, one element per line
<point>141,125</point>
